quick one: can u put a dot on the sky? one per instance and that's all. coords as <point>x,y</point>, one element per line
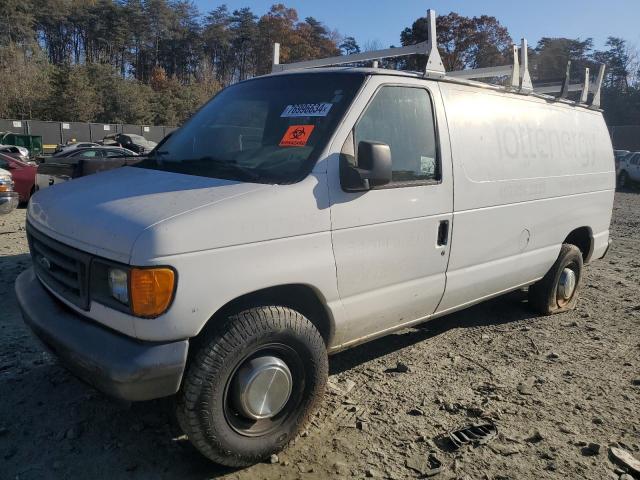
<point>382,20</point>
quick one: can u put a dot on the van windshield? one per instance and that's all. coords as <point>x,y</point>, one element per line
<point>266,130</point>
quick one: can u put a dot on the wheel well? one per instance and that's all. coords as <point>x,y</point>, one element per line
<point>581,238</point>
<point>302,298</point>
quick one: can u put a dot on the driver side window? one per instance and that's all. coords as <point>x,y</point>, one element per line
<point>402,117</point>
<point>90,153</point>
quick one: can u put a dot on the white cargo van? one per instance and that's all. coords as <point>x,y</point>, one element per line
<point>304,212</point>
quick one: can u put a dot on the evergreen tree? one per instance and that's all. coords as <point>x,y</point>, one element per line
<point>349,46</point>
<point>72,95</point>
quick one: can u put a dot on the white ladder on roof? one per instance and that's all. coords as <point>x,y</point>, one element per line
<point>517,72</point>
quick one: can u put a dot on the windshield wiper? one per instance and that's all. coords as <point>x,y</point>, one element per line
<point>219,164</point>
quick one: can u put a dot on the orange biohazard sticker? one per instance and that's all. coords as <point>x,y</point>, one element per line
<point>297,136</point>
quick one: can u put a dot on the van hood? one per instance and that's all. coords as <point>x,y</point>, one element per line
<point>105,213</point>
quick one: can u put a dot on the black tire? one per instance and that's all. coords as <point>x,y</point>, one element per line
<point>623,179</point>
<point>205,407</point>
<point>544,294</point>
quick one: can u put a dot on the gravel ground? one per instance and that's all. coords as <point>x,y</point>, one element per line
<point>561,390</point>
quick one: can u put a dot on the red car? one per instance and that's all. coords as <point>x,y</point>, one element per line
<point>24,176</point>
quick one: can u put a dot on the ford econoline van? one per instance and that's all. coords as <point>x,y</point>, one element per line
<point>301,213</point>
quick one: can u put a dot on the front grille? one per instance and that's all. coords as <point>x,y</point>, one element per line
<point>63,269</point>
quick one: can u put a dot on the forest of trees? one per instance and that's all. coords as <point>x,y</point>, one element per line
<point>138,61</point>
<point>156,61</point>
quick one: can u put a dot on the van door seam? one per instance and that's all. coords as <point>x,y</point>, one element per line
<point>453,198</point>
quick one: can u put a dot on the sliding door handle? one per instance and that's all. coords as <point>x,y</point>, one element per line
<point>443,233</point>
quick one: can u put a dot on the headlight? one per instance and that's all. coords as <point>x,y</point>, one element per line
<point>119,285</point>
<point>143,292</point>
<point>6,184</point>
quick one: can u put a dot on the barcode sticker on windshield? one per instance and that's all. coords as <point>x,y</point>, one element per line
<point>306,110</point>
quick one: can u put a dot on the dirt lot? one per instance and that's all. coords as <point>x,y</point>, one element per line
<point>552,385</point>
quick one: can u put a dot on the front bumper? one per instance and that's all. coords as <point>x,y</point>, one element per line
<point>115,364</point>
<point>8,202</point>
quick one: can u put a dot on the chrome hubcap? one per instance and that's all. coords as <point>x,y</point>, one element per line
<point>567,284</point>
<point>262,387</point>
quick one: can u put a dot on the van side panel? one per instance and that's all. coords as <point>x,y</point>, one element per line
<point>526,173</point>
<point>389,264</point>
<point>295,248</point>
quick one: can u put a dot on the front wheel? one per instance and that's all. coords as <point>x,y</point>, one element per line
<point>558,290</point>
<point>252,385</point>
<point>623,179</point>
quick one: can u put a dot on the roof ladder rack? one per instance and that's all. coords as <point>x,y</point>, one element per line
<point>488,72</point>
<point>564,91</point>
<point>429,48</point>
<point>584,88</point>
<point>520,79</point>
<point>595,101</point>
<point>515,75</point>
<point>418,48</point>
<point>434,67</point>
<point>518,71</point>
<point>526,86</point>
<point>584,92</point>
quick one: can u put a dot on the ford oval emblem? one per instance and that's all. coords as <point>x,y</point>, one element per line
<point>44,263</point>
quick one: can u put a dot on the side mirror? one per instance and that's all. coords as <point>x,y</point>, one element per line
<point>373,170</point>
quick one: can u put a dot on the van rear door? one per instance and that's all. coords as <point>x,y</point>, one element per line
<point>391,243</point>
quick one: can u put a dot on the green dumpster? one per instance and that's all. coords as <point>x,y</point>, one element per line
<point>33,143</point>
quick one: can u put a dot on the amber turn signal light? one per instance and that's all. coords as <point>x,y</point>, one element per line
<point>151,290</point>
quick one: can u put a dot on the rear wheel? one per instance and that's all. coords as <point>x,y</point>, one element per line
<point>252,385</point>
<point>623,179</point>
<point>558,290</point>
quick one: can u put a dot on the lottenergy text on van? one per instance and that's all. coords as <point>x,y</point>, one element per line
<point>301,213</point>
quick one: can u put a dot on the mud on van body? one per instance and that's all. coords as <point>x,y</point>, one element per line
<point>302,213</point>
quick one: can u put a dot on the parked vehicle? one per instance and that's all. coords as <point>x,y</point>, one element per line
<point>33,143</point>
<point>98,152</point>
<point>24,176</point>
<point>81,162</point>
<point>629,169</point>
<point>136,143</point>
<point>72,147</point>
<point>20,153</point>
<point>619,154</point>
<point>8,197</point>
<point>94,151</point>
<point>302,213</point>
